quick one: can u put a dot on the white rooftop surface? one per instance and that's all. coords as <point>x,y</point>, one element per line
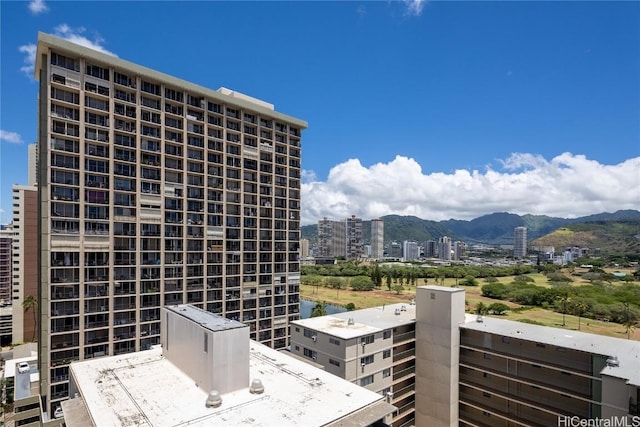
<point>366,321</point>
<point>627,351</point>
<point>10,365</point>
<point>145,389</point>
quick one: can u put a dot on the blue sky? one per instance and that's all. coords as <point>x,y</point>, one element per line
<point>439,110</point>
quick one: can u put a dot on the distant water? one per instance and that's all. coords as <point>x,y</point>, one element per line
<point>306,307</point>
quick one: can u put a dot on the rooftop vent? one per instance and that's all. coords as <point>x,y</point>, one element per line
<point>214,400</point>
<point>351,322</point>
<point>413,301</point>
<point>397,312</point>
<point>479,319</point>
<point>256,387</point>
<point>403,308</point>
<point>613,361</point>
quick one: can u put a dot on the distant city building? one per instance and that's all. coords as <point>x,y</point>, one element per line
<point>395,250</point>
<point>340,238</point>
<point>430,249</point>
<point>458,250</point>
<point>32,164</point>
<point>444,248</point>
<point>377,238</point>
<point>304,248</point>
<point>410,250</point>
<point>520,242</point>
<point>25,260</point>
<point>208,373</point>
<point>6,260</point>
<point>354,239</point>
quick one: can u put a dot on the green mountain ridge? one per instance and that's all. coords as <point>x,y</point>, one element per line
<point>497,229</point>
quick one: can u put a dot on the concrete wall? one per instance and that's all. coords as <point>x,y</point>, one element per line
<point>439,312</point>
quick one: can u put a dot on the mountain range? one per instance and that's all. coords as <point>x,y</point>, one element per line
<point>497,229</point>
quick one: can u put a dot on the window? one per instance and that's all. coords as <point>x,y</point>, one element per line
<point>386,373</point>
<point>308,333</point>
<point>310,354</point>
<point>485,394</point>
<point>386,354</point>
<point>206,342</point>
<point>297,348</point>
<point>506,340</point>
<point>334,341</point>
<point>297,329</point>
<point>386,334</point>
<point>487,356</point>
<point>366,380</point>
<point>334,362</point>
<point>367,340</point>
<point>366,360</point>
<point>63,61</point>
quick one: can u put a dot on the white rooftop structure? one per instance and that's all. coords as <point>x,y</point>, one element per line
<point>147,389</point>
<point>626,351</point>
<point>364,322</point>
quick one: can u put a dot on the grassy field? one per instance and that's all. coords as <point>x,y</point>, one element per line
<point>473,297</point>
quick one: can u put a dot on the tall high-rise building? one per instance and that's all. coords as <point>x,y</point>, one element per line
<point>33,164</point>
<point>304,248</point>
<point>353,228</point>
<point>430,249</point>
<point>458,250</point>
<point>6,247</point>
<point>520,242</point>
<point>340,238</point>
<point>377,238</point>
<point>444,248</point>
<point>155,191</point>
<point>410,251</point>
<point>25,260</point>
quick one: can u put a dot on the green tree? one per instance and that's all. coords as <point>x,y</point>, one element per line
<point>320,309</point>
<point>361,283</point>
<point>335,283</point>
<point>398,288</point>
<point>498,308</point>
<point>579,308</point>
<point>481,308</point>
<point>31,303</point>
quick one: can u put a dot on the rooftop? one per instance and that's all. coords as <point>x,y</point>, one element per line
<point>366,321</point>
<point>204,318</point>
<point>627,351</point>
<point>116,393</point>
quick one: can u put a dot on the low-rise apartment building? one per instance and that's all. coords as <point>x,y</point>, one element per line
<point>374,348</point>
<point>443,367</point>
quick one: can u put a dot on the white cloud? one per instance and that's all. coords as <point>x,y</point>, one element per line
<point>566,186</point>
<point>11,137</point>
<point>37,6</point>
<point>29,51</point>
<point>74,35</point>
<point>414,7</point>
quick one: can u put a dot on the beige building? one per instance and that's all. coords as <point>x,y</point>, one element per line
<point>479,372</point>
<point>155,191</point>
<point>25,261</point>
<point>208,373</point>
<point>373,348</point>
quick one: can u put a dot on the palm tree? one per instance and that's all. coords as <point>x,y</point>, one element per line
<point>629,327</point>
<point>564,300</point>
<point>580,308</point>
<point>31,303</point>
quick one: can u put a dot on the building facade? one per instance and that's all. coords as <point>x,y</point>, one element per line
<point>444,248</point>
<point>340,238</point>
<point>373,348</point>
<point>377,238</point>
<point>6,261</point>
<point>447,368</point>
<point>520,242</point>
<point>155,191</point>
<point>354,242</point>
<point>25,261</point>
<point>430,249</point>
<point>410,250</point>
<point>32,164</point>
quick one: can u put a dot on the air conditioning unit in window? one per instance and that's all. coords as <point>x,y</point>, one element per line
<point>314,338</point>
